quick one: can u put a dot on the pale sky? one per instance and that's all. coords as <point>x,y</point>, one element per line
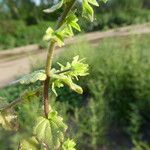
<point>37,1</point>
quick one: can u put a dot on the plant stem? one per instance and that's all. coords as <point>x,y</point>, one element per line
<point>12,104</point>
<point>51,48</point>
<point>17,102</point>
<point>63,71</point>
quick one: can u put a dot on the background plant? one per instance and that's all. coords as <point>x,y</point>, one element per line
<point>32,22</point>
<point>48,129</point>
<point>120,125</point>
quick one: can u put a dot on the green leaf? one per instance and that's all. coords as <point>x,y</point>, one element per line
<point>71,21</point>
<point>30,94</point>
<point>50,131</point>
<point>48,35</point>
<point>87,11</point>
<point>67,31</point>
<point>56,36</point>
<point>54,8</point>
<point>29,144</point>
<point>75,26</point>
<point>93,2</point>
<point>69,145</point>
<point>33,77</point>
<point>59,38</point>
<point>68,81</point>
<point>78,68</point>
<point>75,69</point>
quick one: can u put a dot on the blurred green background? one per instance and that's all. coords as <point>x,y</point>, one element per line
<point>23,22</point>
<point>114,111</point>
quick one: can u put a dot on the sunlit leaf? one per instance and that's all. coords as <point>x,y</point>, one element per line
<point>58,37</point>
<point>88,11</point>
<point>29,144</point>
<point>54,8</point>
<point>77,66</point>
<point>75,26</point>
<point>33,77</point>
<point>72,20</point>
<point>68,81</point>
<point>50,131</point>
<point>48,35</point>
<point>69,145</point>
<point>93,2</point>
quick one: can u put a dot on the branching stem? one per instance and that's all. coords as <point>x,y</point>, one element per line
<point>17,101</point>
<point>51,48</point>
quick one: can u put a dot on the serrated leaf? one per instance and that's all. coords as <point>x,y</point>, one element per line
<point>33,77</point>
<point>29,144</point>
<point>88,11</point>
<point>93,2</point>
<point>78,68</point>
<point>67,31</point>
<point>71,21</point>
<point>75,26</point>
<point>48,35</point>
<point>59,38</point>
<point>75,69</point>
<point>69,145</point>
<point>54,8</point>
<point>50,131</point>
<point>68,81</point>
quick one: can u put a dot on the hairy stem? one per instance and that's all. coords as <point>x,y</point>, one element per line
<point>18,101</point>
<point>51,48</point>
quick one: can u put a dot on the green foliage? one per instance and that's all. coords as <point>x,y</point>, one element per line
<point>17,33</point>
<point>65,31</point>
<point>30,143</point>
<point>69,72</point>
<point>55,7</point>
<point>8,120</point>
<point>29,28</point>
<point>77,68</point>
<point>33,77</point>
<point>117,96</point>
<point>116,85</point>
<point>135,123</point>
<point>68,145</point>
<point>71,22</point>
<point>54,36</point>
<point>50,131</point>
<point>139,145</point>
<point>92,129</point>
<point>66,76</point>
<point>120,71</point>
<point>117,13</point>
